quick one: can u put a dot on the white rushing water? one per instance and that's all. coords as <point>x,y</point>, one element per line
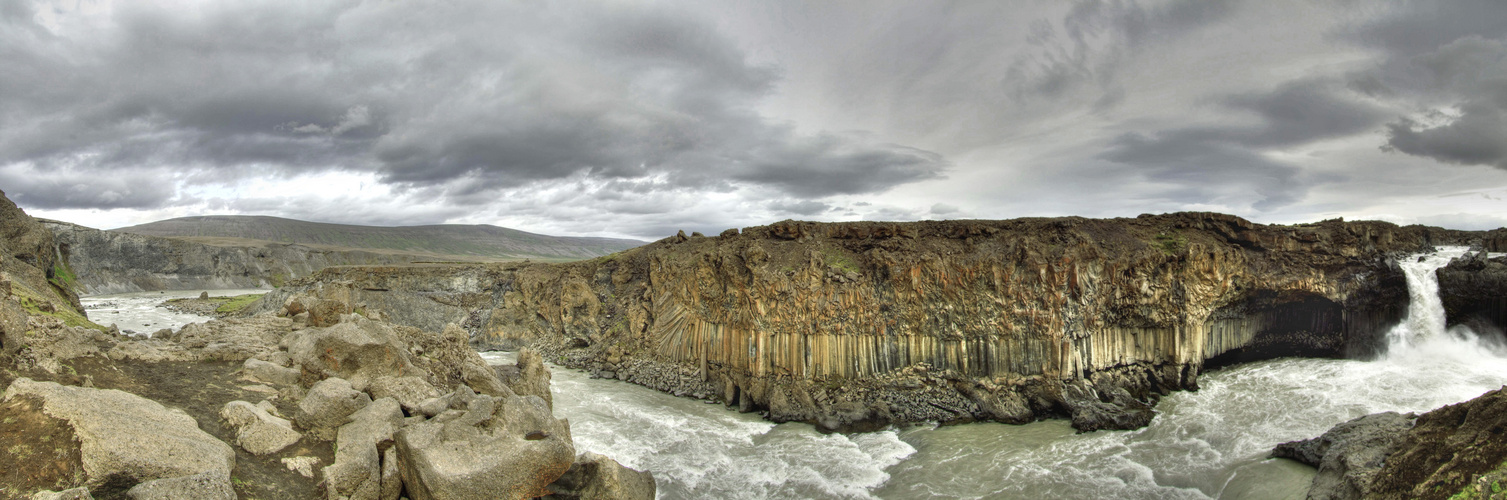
<point>138,313</point>
<point>1212,443</point>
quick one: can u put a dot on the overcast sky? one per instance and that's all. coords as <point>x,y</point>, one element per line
<point>638,119</point>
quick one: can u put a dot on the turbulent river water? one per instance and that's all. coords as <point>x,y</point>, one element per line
<point>1211,443</point>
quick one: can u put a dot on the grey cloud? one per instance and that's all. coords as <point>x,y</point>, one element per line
<point>1477,137</point>
<point>1304,111</point>
<point>67,188</point>
<point>805,207</point>
<point>1201,170</point>
<point>1414,27</point>
<point>499,94</point>
<point>1204,164</point>
<point>1095,38</point>
<point>1449,60</point>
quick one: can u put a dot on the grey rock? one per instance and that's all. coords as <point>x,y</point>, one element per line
<point>257,430</point>
<point>392,475</point>
<point>357,471</point>
<point>359,350</point>
<point>410,391</point>
<point>206,486</point>
<point>1091,411</point>
<point>79,493</point>
<point>268,372</point>
<point>329,405</point>
<point>123,435</point>
<point>303,465</point>
<point>594,477</point>
<point>1350,454</point>
<point>497,448</point>
<point>529,376</point>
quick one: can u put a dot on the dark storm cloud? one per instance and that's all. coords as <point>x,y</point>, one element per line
<point>69,188</point>
<point>1448,59</point>
<point>422,94</point>
<point>1201,163</point>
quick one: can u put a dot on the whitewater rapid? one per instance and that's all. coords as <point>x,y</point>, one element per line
<point>136,313</point>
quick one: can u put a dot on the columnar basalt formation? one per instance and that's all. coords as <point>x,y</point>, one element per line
<point>848,324</point>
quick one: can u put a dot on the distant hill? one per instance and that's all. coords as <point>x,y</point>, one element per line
<point>472,241</point>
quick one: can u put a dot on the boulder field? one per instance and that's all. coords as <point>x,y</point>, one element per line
<point>266,406</point>
<point>857,325</point>
<point>361,409</point>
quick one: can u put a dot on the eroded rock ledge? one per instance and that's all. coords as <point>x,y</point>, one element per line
<point>858,324</point>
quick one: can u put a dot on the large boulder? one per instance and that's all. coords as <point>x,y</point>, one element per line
<point>409,391</point>
<point>271,373</point>
<point>128,439</point>
<point>257,430</point>
<point>329,405</point>
<point>1349,455</point>
<point>358,350</point>
<point>597,477</point>
<point>528,377</point>
<point>358,468</point>
<point>206,486</point>
<point>508,447</point>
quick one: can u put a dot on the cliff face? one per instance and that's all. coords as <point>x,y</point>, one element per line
<point>1474,291</point>
<point>115,262</point>
<point>847,324</point>
<point>34,277</point>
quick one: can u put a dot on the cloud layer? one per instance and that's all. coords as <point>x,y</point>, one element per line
<point>635,119</point>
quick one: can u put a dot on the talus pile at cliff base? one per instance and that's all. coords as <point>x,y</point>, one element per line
<point>863,324</point>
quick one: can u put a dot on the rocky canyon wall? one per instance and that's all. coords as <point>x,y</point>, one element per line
<point>866,323</point>
<point>114,262</point>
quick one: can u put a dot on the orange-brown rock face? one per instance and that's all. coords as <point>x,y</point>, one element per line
<point>851,323</point>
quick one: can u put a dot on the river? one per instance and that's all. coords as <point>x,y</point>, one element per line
<point>1211,443</point>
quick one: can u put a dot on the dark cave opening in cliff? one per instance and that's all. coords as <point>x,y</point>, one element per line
<point>1287,324</point>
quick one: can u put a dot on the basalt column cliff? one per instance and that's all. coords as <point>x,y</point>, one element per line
<point>855,324</point>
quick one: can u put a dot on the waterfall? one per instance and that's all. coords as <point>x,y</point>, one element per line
<point>1425,318</point>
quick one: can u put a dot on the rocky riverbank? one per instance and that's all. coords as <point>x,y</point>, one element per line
<point>854,325</point>
<point>1455,452</point>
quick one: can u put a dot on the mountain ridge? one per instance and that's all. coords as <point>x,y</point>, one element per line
<point>468,240</point>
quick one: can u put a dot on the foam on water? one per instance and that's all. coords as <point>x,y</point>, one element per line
<point>138,311</point>
<point>699,450</point>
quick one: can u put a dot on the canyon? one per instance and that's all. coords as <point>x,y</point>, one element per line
<point>859,325</point>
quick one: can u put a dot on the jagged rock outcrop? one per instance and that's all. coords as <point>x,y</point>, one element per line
<point>1474,291</point>
<point>866,323</point>
<point>117,262</point>
<point>35,279</point>
<point>1457,449</point>
<point>1349,456</point>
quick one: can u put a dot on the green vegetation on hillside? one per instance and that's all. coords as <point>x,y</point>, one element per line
<point>40,306</point>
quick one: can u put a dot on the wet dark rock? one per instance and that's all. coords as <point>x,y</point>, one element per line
<point>1350,455</point>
